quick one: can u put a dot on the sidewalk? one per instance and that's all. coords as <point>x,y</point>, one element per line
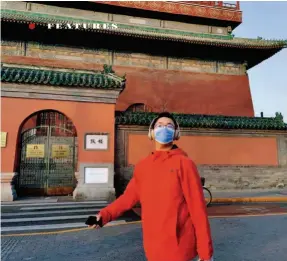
<point>242,196</point>
<point>227,196</point>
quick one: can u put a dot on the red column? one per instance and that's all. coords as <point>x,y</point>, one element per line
<point>220,3</point>
<point>237,5</point>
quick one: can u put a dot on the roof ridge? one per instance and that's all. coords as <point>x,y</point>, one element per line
<point>123,25</point>
<point>47,68</point>
<point>28,75</point>
<point>157,33</point>
<point>205,121</point>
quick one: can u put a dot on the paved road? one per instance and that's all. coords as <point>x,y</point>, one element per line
<point>236,239</point>
<point>241,209</point>
<point>22,217</point>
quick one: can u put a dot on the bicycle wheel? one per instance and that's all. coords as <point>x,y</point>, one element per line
<point>207,196</point>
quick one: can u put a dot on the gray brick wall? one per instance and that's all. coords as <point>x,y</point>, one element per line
<point>232,177</point>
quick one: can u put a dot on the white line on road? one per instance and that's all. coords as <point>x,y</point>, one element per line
<point>13,220</point>
<point>59,207</point>
<point>55,226</point>
<point>54,203</point>
<point>36,213</point>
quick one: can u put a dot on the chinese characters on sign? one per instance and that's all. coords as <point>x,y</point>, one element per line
<point>96,142</point>
<point>60,151</point>
<point>35,151</point>
<point>3,139</point>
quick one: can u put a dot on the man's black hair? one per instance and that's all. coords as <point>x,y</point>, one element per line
<point>166,115</point>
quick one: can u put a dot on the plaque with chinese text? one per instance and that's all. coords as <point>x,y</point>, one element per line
<point>96,142</point>
<point>60,151</point>
<point>3,139</point>
<point>35,151</point>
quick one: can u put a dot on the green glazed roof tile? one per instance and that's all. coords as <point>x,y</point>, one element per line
<point>101,80</point>
<point>145,31</point>
<point>205,121</point>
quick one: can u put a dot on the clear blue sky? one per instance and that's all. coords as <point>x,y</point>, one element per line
<point>268,80</point>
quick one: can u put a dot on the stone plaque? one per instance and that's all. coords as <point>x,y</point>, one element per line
<point>96,175</point>
<point>3,139</point>
<point>96,141</point>
<point>60,151</point>
<point>35,151</point>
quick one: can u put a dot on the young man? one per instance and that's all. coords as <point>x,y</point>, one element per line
<point>167,184</point>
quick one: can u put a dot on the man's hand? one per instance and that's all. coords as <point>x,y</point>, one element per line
<point>98,216</point>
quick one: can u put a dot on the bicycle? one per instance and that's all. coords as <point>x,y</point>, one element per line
<point>206,192</point>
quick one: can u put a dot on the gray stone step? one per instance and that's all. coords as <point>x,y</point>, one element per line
<point>48,213</point>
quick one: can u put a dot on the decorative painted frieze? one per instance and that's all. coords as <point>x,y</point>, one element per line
<point>139,60</point>
<point>192,65</point>
<point>12,48</point>
<point>102,56</point>
<point>69,53</point>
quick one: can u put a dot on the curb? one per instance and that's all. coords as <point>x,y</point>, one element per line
<point>250,199</point>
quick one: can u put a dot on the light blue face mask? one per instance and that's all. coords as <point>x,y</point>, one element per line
<point>164,135</point>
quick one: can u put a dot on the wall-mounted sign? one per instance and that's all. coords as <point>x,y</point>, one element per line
<point>96,141</point>
<point>35,151</point>
<point>96,175</point>
<point>60,151</point>
<point>3,139</point>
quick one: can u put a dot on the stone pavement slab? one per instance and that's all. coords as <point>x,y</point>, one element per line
<point>237,239</point>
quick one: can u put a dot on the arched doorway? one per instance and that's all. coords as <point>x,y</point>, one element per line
<point>47,155</point>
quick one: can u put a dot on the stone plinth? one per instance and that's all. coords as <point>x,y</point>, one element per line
<point>88,188</point>
<point>8,192</point>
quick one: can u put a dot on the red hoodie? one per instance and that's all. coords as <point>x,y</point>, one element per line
<point>174,217</point>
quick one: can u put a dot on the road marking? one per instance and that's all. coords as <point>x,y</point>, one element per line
<point>11,214</point>
<point>130,223</point>
<point>59,207</point>
<point>80,226</point>
<point>30,201</point>
<point>53,203</point>
<point>13,220</point>
<point>41,227</point>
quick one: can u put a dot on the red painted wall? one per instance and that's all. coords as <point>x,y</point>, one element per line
<point>176,91</point>
<point>86,116</point>
<point>187,92</point>
<point>213,150</point>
